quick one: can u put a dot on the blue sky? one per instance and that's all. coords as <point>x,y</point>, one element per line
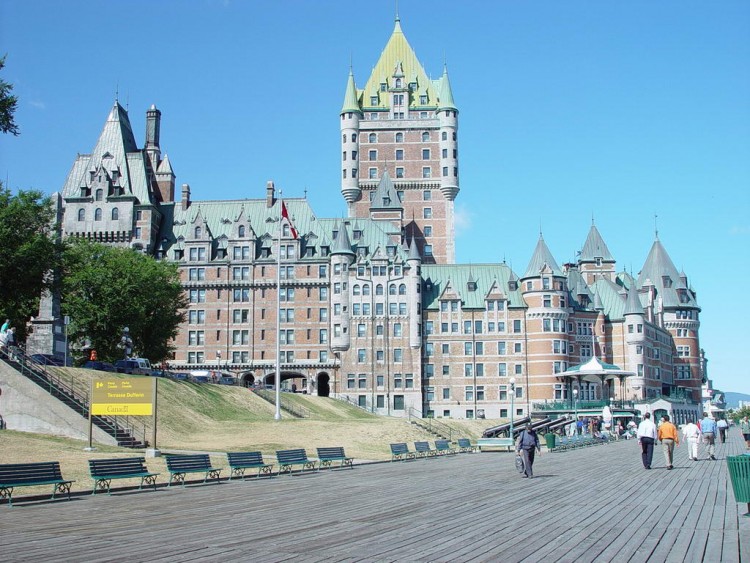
<point>616,111</point>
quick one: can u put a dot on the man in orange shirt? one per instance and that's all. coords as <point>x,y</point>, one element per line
<point>669,438</point>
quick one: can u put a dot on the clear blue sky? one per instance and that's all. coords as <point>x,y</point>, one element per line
<point>570,110</point>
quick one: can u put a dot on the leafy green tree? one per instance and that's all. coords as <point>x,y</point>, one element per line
<point>27,253</point>
<point>105,289</point>
<point>8,103</point>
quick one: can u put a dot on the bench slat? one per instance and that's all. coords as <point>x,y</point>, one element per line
<point>289,458</point>
<point>30,474</point>
<point>328,455</point>
<point>180,465</point>
<point>240,461</point>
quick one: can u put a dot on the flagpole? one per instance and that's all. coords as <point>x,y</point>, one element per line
<point>277,416</point>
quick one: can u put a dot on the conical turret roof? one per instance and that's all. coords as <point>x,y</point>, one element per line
<point>350,96</point>
<point>542,257</point>
<point>445,100</point>
<point>633,303</point>
<point>342,244</point>
<point>385,196</point>
<point>595,247</point>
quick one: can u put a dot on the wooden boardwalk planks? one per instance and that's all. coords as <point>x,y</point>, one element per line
<point>592,504</point>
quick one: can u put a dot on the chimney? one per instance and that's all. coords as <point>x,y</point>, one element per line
<point>153,124</point>
<point>185,196</point>
<point>270,190</point>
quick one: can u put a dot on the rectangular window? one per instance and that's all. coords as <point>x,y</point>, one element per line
<point>399,154</point>
<point>426,172</point>
<point>425,154</point>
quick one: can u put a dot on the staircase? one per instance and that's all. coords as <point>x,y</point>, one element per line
<point>295,410</point>
<point>120,428</point>
<point>430,425</point>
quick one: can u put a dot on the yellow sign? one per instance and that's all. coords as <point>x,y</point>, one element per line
<point>123,397</point>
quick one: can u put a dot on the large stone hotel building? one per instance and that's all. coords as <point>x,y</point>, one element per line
<point>373,308</point>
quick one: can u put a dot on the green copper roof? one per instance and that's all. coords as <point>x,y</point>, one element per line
<point>399,58</point>
<point>594,248</point>
<point>446,93</point>
<point>490,279</point>
<point>660,271</point>
<point>542,258</point>
<point>350,97</point>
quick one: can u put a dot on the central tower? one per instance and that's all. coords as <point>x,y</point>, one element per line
<point>404,124</point>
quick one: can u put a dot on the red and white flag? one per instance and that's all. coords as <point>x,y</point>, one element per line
<point>285,215</point>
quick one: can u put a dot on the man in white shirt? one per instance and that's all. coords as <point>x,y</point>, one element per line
<point>646,435</point>
<point>691,434</point>
<point>722,426</point>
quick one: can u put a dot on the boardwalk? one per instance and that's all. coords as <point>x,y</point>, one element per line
<point>595,504</point>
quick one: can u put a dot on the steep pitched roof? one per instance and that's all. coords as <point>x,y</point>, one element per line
<point>350,96</point>
<point>445,97</point>
<point>385,196</point>
<point>633,304</point>
<point>398,58</point>
<point>595,247</point>
<point>342,244</point>
<point>542,257</point>
<point>660,271</point>
<point>115,151</point>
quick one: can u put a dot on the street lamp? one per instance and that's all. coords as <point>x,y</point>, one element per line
<point>126,343</point>
<point>512,403</point>
<point>575,408</point>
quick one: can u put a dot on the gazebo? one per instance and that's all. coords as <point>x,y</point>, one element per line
<point>596,371</point>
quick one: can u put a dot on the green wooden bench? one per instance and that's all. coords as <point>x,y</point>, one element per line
<point>31,474</point>
<point>240,461</point>
<point>327,456</point>
<point>465,445</point>
<point>423,449</point>
<point>444,447</point>
<point>495,443</point>
<point>289,458</point>
<point>180,465</point>
<point>401,451</point>
<point>103,471</point>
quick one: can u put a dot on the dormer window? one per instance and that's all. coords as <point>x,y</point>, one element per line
<point>666,281</point>
<point>383,87</point>
<point>423,100</point>
<point>386,201</point>
<point>412,86</point>
<point>373,100</point>
<point>471,285</point>
<point>357,234</point>
<point>598,261</point>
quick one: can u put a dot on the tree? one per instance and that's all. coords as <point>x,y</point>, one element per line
<point>8,103</point>
<point>27,253</point>
<point>105,289</point>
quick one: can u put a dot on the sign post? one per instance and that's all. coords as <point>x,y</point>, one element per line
<point>131,396</point>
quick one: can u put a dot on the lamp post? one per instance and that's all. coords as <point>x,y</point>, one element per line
<point>512,403</point>
<point>126,343</point>
<point>575,408</point>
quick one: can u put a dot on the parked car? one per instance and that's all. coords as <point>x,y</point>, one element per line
<point>101,366</point>
<point>227,380</point>
<point>178,376</point>
<point>47,360</point>
<point>200,376</point>
<point>134,366</point>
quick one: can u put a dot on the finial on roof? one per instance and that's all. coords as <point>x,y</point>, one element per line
<point>398,19</point>
<point>592,218</point>
<point>656,226</point>
<point>305,192</point>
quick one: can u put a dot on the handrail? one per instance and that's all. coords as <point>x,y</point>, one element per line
<point>76,397</point>
<point>430,424</point>
<point>290,407</point>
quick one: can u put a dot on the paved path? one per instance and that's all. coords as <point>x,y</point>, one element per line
<point>593,504</point>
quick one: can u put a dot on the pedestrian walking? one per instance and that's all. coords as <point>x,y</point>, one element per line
<point>669,438</point>
<point>527,445</point>
<point>5,327</point>
<point>745,429</point>
<point>692,435</point>
<point>722,425</point>
<point>708,429</point>
<point>646,435</point>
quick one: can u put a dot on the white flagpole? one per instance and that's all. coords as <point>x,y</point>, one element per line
<point>277,416</point>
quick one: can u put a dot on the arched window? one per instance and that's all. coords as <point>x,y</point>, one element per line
<point>355,289</point>
<point>99,194</point>
<point>115,214</point>
<point>198,232</point>
<point>392,289</point>
<point>379,289</point>
<point>399,137</point>
<point>81,214</point>
<point>366,289</point>
<point>402,289</point>
<point>425,136</point>
<point>241,231</point>
<point>98,214</point>
<point>398,83</point>
<point>354,137</point>
<point>373,138</point>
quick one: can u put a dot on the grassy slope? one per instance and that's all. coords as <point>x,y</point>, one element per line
<point>216,418</point>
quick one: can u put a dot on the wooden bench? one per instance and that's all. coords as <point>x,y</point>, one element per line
<point>32,474</point>
<point>180,465</point>
<point>328,455</point>
<point>401,451</point>
<point>423,449</point>
<point>240,461</point>
<point>104,470</point>
<point>465,445</point>
<point>443,447</point>
<point>289,458</point>
<point>495,443</point>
